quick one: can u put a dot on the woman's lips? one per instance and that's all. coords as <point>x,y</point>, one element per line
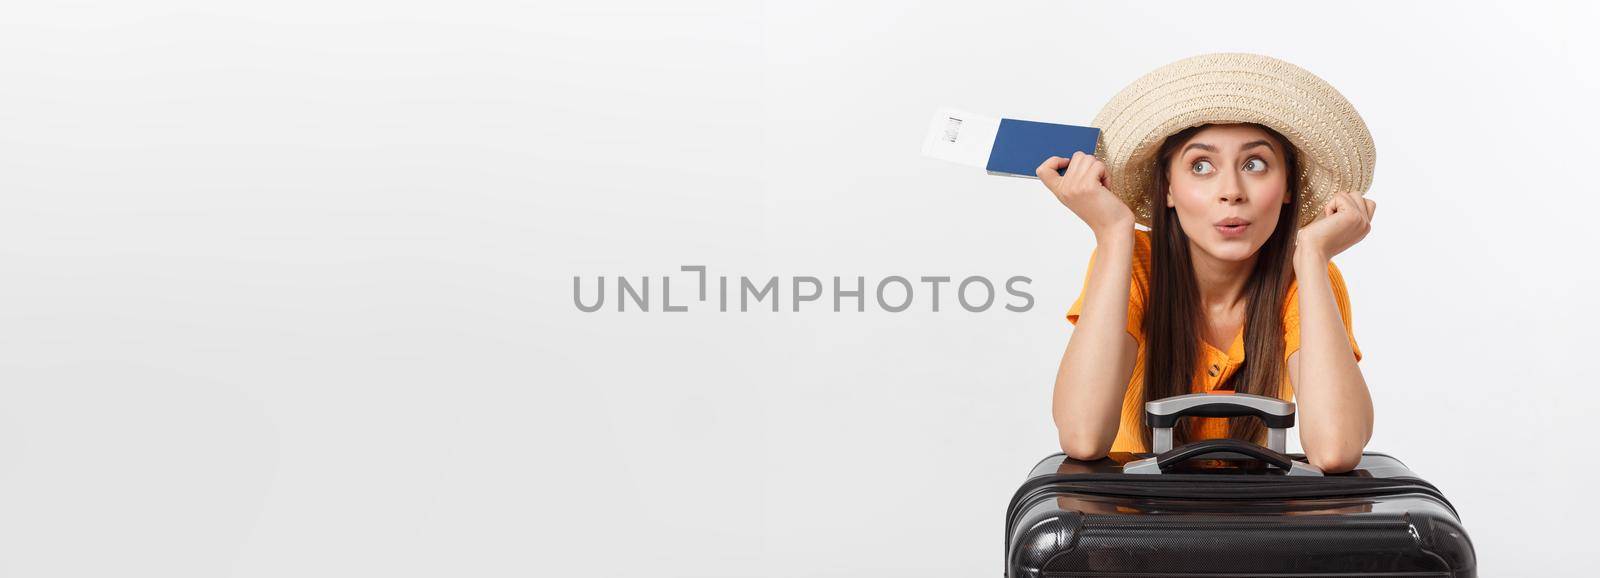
<point>1232,231</point>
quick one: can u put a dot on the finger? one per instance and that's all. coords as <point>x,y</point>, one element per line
<point>1100,174</point>
<point>1372,209</point>
<point>1360,205</point>
<point>1075,166</point>
<point>1050,166</point>
<point>1087,170</point>
<point>1057,171</point>
<point>1348,206</point>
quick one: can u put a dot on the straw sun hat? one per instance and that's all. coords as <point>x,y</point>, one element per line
<point>1335,150</point>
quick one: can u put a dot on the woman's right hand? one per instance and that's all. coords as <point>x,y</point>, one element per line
<point>1085,190</point>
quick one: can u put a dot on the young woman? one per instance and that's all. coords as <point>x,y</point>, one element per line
<point>1227,291</point>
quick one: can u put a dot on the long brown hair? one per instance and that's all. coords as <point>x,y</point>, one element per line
<point>1173,318</point>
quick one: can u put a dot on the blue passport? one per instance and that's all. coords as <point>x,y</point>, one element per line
<point>1021,145</point>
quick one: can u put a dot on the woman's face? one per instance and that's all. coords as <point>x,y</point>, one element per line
<point>1225,174</point>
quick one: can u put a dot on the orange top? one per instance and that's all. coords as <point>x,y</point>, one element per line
<point>1214,366</point>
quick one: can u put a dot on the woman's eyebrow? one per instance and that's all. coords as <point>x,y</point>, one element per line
<point>1258,143</point>
<point>1248,145</point>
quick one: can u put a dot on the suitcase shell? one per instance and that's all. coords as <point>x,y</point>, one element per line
<point>1231,517</point>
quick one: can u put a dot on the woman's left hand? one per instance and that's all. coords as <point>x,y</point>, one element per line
<point>1344,221</point>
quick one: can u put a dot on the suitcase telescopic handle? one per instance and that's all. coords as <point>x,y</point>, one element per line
<point>1162,415</point>
<point>1200,449</point>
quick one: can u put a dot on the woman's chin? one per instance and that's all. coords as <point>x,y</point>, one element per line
<point>1235,250</point>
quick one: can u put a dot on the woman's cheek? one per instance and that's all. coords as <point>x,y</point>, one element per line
<point>1272,191</point>
<point>1187,194</point>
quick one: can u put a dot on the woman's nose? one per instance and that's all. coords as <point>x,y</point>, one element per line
<point>1232,190</point>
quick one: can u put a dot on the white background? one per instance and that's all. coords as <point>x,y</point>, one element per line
<point>286,287</point>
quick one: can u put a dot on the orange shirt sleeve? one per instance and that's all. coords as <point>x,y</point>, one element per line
<point>1136,288</point>
<point>1291,313</point>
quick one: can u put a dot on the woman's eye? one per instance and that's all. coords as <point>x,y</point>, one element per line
<point>1255,165</point>
<point>1201,167</point>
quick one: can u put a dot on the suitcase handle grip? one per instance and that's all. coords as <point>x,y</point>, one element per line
<point>1162,415</point>
<point>1199,449</point>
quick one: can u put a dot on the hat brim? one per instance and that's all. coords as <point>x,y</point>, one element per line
<point>1334,147</point>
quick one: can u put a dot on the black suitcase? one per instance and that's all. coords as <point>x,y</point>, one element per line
<point>1229,508</point>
